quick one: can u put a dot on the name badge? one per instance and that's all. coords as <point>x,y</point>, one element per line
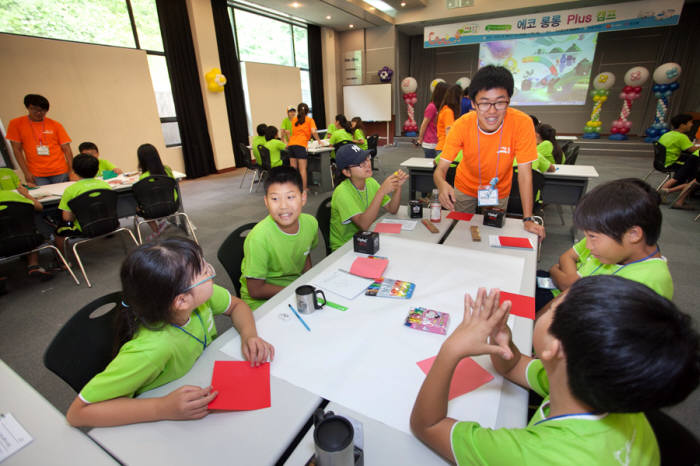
<point>487,196</point>
<point>42,150</point>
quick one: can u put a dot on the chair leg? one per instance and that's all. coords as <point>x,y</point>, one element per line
<point>252,182</point>
<point>80,263</point>
<point>561,213</point>
<point>130,234</point>
<point>243,179</point>
<point>189,225</point>
<point>663,182</point>
<point>649,174</point>
<point>330,168</point>
<point>65,264</point>
<point>138,231</point>
<point>260,180</point>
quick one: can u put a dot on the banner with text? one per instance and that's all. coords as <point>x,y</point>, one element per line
<point>602,18</point>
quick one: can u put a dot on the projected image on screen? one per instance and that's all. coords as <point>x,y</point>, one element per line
<point>548,70</point>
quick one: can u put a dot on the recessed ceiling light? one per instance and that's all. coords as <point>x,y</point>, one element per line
<point>352,26</point>
<point>328,17</point>
<point>295,5</point>
<point>403,4</point>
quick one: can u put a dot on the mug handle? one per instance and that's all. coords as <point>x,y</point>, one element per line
<point>316,305</point>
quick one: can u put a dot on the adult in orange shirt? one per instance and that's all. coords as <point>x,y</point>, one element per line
<point>41,145</point>
<point>303,127</point>
<point>446,117</point>
<point>489,138</point>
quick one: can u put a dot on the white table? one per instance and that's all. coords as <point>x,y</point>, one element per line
<point>320,161</point>
<point>566,186</point>
<point>420,175</point>
<point>420,233</point>
<point>564,137</point>
<point>54,441</point>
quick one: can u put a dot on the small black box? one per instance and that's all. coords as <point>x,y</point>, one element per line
<point>494,218</point>
<point>415,209</point>
<point>366,242</point>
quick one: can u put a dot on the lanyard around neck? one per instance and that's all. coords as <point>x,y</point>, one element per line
<point>498,152</point>
<point>633,262</point>
<point>359,193</point>
<point>204,343</point>
<point>43,130</point>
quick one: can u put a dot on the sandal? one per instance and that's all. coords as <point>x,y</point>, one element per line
<point>38,272</point>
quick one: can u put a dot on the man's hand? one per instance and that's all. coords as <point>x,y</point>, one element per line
<point>446,194</point>
<point>534,227</point>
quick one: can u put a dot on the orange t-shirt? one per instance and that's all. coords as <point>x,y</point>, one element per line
<point>302,133</point>
<point>517,139</point>
<point>446,117</point>
<point>48,133</point>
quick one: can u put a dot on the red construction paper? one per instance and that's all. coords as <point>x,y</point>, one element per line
<point>240,386</point>
<point>460,216</point>
<point>515,242</point>
<point>468,376</point>
<point>369,267</point>
<point>387,228</point>
<point>523,306</point>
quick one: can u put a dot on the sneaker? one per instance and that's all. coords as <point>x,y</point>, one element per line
<point>39,273</point>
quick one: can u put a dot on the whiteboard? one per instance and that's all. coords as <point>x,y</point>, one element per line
<point>371,102</point>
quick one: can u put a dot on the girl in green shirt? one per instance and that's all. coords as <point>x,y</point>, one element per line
<point>547,146</point>
<point>359,133</point>
<point>275,146</point>
<point>342,133</point>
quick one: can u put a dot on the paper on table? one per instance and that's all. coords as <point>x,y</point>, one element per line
<point>240,386</point>
<point>369,267</point>
<point>460,216</point>
<point>523,306</point>
<point>406,225</point>
<point>343,284</point>
<point>509,242</point>
<point>468,376</point>
<point>12,435</point>
<point>387,228</point>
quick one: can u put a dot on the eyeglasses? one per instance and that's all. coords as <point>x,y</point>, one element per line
<point>364,163</point>
<point>209,269</point>
<point>486,106</point>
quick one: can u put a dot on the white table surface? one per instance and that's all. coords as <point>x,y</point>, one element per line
<point>54,441</point>
<point>418,162</point>
<point>420,233</point>
<point>572,171</point>
<point>564,137</point>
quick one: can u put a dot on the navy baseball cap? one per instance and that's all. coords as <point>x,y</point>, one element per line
<point>350,154</point>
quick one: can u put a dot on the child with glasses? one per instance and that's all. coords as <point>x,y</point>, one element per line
<point>357,196</point>
<point>165,323</point>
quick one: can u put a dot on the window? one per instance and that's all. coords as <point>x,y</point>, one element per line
<point>104,22</point>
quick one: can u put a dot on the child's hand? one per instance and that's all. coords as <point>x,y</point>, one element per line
<point>257,351</point>
<point>188,402</point>
<point>402,177</point>
<point>483,318</point>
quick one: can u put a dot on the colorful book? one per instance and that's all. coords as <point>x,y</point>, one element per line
<point>388,288</point>
<point>428,320</point>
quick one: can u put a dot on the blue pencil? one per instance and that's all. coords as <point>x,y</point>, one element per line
<point>299,317</point>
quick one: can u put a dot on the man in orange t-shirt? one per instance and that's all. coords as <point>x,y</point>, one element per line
<point>41,145</point>
<point>490,138</point>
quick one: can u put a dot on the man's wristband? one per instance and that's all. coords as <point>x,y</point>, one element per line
<point>534,219</point>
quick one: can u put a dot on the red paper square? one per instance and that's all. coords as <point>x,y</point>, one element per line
<point>515,242</point>
<point>387,228</point>
<point>369,267</point>
<point>468,376</point>
<point>460,216</point>
<point>240,386</point>
<point>523,306</point>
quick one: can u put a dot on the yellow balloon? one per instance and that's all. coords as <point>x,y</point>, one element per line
<point>214,87</point>
<point>596,98</point>
<point>597,123</point>
<point>603,98</point>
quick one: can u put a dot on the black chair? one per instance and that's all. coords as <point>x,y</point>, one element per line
<point>572,155</point>
<point>155,200</point>
<point>249,165</point>
<point>515,208</point>
<point>230,254</point>
<point>19,235</point>
<point>659,164</point>
<point>323,216</point>
<point>372,142</point>
<point>84,345</point>
<point>96,211</point>
<point>677,445</point>
<point>566,148</point>
<point>265,163</point>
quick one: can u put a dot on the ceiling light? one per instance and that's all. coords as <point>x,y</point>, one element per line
<point>295,5</point>
<point>403,4</point>
<point>352,26</point>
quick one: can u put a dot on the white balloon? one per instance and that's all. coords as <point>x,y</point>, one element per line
<point>667,73</point>
<point>464,82</point>
<point>636,76</point>
<point>435,82</point>
<point>604,80</point>
<point>409,84</point>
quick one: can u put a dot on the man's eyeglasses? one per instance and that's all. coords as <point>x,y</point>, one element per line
<point>211,273</point>
<point>486,106</point>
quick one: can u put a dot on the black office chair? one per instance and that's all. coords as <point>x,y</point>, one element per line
<point>230,254</point>
<point>155,200</point>
<point>572,155</point>
<point>515,208</point>
<point>249,165</point>
<point>265,163</point>
<point>677,445</point>
<point>659,164</point>
<point>84,345</point>
<point>19,235</point>
<point>566,148</point>
<point>96,212</point>
<point>372,142</point>
<point>323,216</point>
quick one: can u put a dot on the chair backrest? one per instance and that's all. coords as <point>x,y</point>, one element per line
<point>265,160</point>
<point>677,445</point>
<point>18,232</point>
<point>566,147</point>
<point>84,345</point>
<point>155,196</point>
<point>659,156</point>
<point>372,142</point>
<point>96,211</point>
<point>515,205</point>
<point>247,156</point>
<point>572,155</point>
<point>323,216</point>
<point>338,145</point>
<point>230,254</point>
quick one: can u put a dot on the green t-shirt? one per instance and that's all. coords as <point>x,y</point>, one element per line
<point>105,165</point>
<point>329,131</point>
<point>258,141</point>
<point>602,439</point>
<point>545,150</point>
<point>359,134</point>
<point>340,135</point>
<point>455,162</point>
<point>154,357</point>
<point>11,196</point>
<point>287,125</point>
<point>275,146</point>
<point>652,272</point>
<point>675,142</point>
<point>348,201</point>
<point>168,172</point>
<point>275,256</point>
<point>78,188</point>
<point>8,179</point>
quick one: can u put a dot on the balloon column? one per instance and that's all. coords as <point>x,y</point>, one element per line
<point>464,82</point>
<point>666,79</point>
<point>408,87</point>
<point>601,88</point>
<point>634,79</point>
<point>215,80</point>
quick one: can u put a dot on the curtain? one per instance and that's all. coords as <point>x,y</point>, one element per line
<point>185,82</point>
<point>231,68</point>
<point>421,67</point>
<point>316,75</point>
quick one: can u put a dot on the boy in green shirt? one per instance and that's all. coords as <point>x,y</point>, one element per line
<point>8,179</point>
<point>104,165</point>
<point>681,154</point>
<point>609,349</point>
<point>287,123</point>
<point>277,250</point>
<point>259,140</point>
<point>275,146</point>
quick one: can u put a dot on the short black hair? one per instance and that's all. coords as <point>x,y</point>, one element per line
<point>87,146</point>
<point>616,206</point>
<point>270,133</point>
<point>628,349</point>
<point>282,175</point>
<point>85,165</point>
<point>37,100</point>
<point>535,120</point>
<point>261,129</point>
<point>491,77</point>
<point>680,119</point>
